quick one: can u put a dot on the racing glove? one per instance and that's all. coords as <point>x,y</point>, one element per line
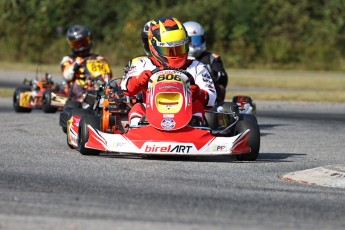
<point>143,79</point>
<point>78,62</point>
<point>195,91</point>
<point>135,84</point>
<point>199,94</point>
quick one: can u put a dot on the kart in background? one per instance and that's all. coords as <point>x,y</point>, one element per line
<point>245,103</point>
<point>110,105</point>
<point>97,73</point>
<point>41,93</point>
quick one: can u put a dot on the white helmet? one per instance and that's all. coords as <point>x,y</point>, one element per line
<point>196,33</point>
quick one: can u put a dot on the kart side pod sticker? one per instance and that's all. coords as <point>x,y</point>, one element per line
<point>25,100</point>
<point>153,148</point>
<point>168,124</point>
<point>221,148</point>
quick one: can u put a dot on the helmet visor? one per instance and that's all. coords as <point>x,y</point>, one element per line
<point>80,43</point>
<point>197,40</point>
<point>172,51</point>
<point>172,48</point>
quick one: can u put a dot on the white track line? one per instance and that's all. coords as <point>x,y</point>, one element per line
<point>329,176</point>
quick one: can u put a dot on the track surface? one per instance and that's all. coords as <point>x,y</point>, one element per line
<point>46,185</point>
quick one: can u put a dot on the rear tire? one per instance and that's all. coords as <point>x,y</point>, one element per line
<point>95,123</point>
<point>46,102</point>
<point>16,100</point>
<point>253,139</point>
<point>248,117</point>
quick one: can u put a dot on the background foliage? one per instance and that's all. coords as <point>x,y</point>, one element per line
<point>304,34</point>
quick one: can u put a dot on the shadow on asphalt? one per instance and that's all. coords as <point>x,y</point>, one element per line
<point>279,157</point>
<point>263,158</point>
<point>264,128</point>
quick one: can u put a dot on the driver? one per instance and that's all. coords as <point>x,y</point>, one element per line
<point>168,44</point>
<point>79,39</point>
<point>197,50</point>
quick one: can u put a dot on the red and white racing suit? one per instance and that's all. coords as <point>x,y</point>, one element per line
<point>202,77</point>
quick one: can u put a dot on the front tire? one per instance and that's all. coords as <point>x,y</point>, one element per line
<point>16,100</point>
<point>46,102</point>
<point>95,123</point>
<point>76,112</point>
<point>253,139</point>
<point>66,113</point>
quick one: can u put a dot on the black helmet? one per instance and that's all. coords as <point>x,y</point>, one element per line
<point>144,37</point>
<point>79,38</point>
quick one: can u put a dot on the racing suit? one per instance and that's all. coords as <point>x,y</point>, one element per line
<point>203,98</point>
<point>73,71</point>
<point>220,77</point>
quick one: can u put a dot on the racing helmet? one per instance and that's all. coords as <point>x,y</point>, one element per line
<point>168,42</point>
<point>144,37</point>
<point>79,39</point>
<point>196,33</point>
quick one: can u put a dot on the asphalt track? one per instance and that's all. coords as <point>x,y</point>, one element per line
<point>46,185</point>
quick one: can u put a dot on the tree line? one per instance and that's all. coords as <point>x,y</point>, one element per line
<point>305,34</point>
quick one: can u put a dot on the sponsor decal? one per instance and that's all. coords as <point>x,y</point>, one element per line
<point>219,148</point>
<point>168,123</point>
<point>168,115</point>
<point>118,144</point>
<point>169,87</point>
<point>208,80</point>
<point>168,148</point>
<point>212,90</point>
<point>206,76</point>
<point>170,44</point>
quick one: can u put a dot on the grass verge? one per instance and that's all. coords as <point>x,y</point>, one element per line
<point>6,92</point>
<point>288,85</point>
<point>311,96</point>
<point>271,85</point>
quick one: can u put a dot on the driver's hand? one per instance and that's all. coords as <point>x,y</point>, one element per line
<point>195,91</point>
<point>143,78</point>
<point>78,62</point>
